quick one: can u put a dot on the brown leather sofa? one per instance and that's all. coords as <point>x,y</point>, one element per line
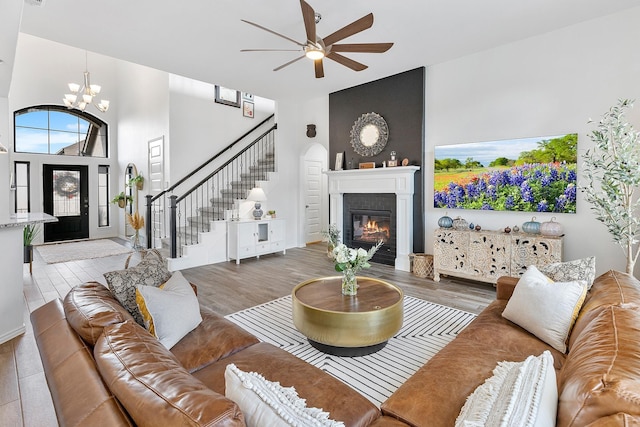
<point>598,379</point>
<point>104,369</point>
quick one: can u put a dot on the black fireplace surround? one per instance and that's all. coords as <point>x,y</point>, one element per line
<point>379,213</point>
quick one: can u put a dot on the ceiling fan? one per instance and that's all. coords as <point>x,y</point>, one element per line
<point>317,48</point>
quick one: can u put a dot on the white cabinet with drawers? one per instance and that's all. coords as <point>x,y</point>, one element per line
<point>254,238</point>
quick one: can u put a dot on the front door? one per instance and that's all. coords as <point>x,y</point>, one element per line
<point>66,196</point>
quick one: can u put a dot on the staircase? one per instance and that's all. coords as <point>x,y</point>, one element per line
<point>191,228</point>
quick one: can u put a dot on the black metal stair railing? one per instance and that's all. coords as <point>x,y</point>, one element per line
<point>181,218</point>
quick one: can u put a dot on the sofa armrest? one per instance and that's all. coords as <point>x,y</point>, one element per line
<point>505,286</point>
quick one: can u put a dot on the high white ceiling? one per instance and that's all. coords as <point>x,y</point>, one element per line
<point>201,39</point>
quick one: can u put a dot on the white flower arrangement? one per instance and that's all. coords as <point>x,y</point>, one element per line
<point>353,259</point>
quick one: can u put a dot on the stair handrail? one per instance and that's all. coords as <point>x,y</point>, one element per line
<point>217,155</point>
<point>205,179</point>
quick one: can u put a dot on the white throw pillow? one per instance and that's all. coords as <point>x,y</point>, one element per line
<point>546,308</point>
<point>519,394</point>
<point>266,403</point>
<point>171,311</point>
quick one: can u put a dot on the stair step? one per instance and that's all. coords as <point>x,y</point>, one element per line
<point>254,176</point>
<point>247,185</point>
<point>235,193</point>
<point>196,224</point>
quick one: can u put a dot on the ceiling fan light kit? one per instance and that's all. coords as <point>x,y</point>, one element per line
<point>317,48</point>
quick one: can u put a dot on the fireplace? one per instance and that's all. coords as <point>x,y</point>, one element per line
<point>377,190</point>
<point>369,218</point>
<point>371,226</point>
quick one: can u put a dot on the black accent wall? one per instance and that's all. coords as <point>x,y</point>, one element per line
<point>399,99</point>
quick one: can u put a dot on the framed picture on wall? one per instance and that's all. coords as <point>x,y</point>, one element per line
<point>227,96</point>
<point>339,161</point>
<point>247,109</point>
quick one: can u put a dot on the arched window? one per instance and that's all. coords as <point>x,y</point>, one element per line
<point>52,129</point>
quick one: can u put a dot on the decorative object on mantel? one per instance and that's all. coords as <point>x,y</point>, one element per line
<point>551,228</point>
<point>311,131</point>
<point>405,162</point>
<point>339,161</point>
<point>82,95</point>
<point>516,229</point>
<point>460,223</point>
<point>332,237</point>
<point>349,262</point>
<point>472,226</point>
<point>445,221</point>
<point>367,165</point>
<point>612,177</point>
<point>393,162</point>
<point>507,229</point>
<point>478,228</point>
<point>257,195</point>
<point>369,134</point>
<point>531,227</point>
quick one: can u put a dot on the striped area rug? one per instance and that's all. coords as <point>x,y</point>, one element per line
<point>427,328</point>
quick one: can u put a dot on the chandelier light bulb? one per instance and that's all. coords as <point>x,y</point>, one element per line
<point>74,87</point>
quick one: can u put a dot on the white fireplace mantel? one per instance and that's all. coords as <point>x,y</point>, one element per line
<point>396,180</point>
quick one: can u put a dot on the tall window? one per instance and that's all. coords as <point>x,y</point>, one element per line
<point>103,196</point>
<point>21,182</point>
<point>57,130</point>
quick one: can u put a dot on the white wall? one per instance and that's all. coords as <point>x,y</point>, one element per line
<point>41,72</point>
<point>5,170</point>
<point>546,85</point>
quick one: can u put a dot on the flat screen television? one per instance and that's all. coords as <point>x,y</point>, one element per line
<point>529,175</point>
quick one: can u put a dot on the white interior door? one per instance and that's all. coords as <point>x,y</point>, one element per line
<point>156,185</point>
<point>313,200</point>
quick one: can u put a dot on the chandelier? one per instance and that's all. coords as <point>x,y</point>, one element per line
<point>82,95</point>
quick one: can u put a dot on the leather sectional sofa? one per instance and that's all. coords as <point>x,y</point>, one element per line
<point>104,369</point>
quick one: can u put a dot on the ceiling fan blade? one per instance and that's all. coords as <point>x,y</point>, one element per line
<point>273,32</point>
<point>362,47</point>
<point>269,50</point>
<point>349,30</point>
<point>288,63</point>
<point>319,68</point>
<point>354,65</point>
<point>309,16</point>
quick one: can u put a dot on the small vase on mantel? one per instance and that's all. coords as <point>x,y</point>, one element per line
<point>349,282</point>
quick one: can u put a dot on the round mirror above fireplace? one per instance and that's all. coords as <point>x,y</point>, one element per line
<point>369,134</point>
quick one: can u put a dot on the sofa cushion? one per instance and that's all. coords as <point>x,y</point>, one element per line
<point>170,311</point>
<point>213,339</point>
<point>90,307</point>
<point>611,288</point>
<point>320,389</point>
<point>600,374</point>
<point>79,394</point>
<point>462,365</point>
<point>267,403</point>
<point>545,308</point>
<point>522,394</point>
<point>152,386</point>
<point>568,271</point>
<point>150,271</point>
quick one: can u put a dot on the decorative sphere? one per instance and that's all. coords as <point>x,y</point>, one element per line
<point>507,229</point>
<point>478,228</point>
<point>516,228</point>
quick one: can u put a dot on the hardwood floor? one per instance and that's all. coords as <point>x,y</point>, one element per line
<point>224,287</point>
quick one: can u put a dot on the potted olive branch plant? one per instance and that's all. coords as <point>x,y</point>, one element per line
<point>612,172</point>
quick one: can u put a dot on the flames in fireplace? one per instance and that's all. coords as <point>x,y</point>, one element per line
<point>371,228</point>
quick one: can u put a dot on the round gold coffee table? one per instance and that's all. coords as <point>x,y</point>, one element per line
<point>347,325</point>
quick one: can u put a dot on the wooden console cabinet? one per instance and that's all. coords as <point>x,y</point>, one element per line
<point>487,255</point>
<point>254,238</point>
